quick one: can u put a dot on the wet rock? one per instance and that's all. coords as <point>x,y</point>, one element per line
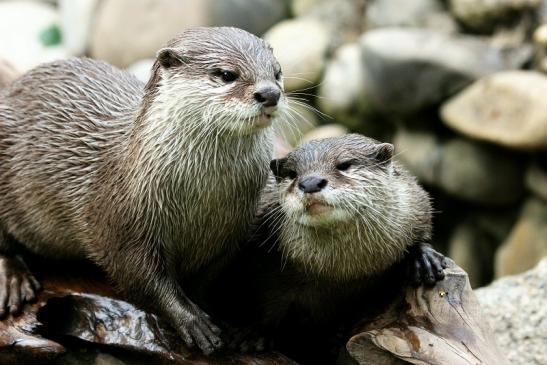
<point>483,14</point>
<point>22,23</point>
<point>465,169</point>
<point>75,19</point>
<point>155,22</point>
<point>516,311</point>
<point>325,131</point>
<point>536,179</point>
<point>507,108</point>
<point>527,242</point>
<point>410,13</point>
<point>410,69</point>
<point>142,69</point>
<point>300,46</point>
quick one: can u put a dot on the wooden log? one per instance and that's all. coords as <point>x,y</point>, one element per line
<point>441,325</point>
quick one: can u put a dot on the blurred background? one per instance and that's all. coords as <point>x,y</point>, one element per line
<point>458,86</point>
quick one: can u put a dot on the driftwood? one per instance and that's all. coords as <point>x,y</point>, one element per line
<point>76,319</point>
<point>441,325</point>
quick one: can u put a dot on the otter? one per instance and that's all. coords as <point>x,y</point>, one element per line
<point>154,183</point>
<point>340,229</point>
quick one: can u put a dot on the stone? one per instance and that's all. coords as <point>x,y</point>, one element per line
<point>482,15</point>
<point>407,70</point>
<point>22,23</point>
<point>149,24</point>
<point>515,309</point>
<point>300,46</point>
<point>465,169</point>
<point>527,241</point>
<point>325,131</point>
<point>75,19</point>
<point>8,73</point>
<point>540,35</point>
<point>142,69</point>
<point>508,108</point>
<point>536,179</point>
<point>409,13</point>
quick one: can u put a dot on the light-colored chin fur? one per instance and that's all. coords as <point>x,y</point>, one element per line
<point>344,243</point>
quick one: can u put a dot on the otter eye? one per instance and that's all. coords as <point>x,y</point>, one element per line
<point>291,174</point>
<point>343,166</point>
<point>226,76</point>
<point>278,75</point>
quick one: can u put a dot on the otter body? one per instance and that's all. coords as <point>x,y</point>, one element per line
<point>141,179</point>
<point>340,230</point>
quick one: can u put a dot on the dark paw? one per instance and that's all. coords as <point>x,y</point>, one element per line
<point>17,285</point>
<point>247,340</point>
<point>197,329</point>
<point>425,265</point>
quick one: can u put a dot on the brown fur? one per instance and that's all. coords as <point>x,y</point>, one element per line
<point>152,183</point>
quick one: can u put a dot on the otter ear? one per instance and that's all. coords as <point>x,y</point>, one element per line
<point>277,167</point>
<point>171,57</point>
<point>383,153</point>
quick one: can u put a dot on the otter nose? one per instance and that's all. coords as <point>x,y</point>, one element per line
<point>267,95</point>
<point>312,184</point>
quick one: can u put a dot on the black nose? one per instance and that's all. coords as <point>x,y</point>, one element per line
<point>268,95</point>
<point>312,184</point>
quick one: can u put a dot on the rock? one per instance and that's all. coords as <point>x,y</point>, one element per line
<point>516,311</point>
<point>527,242</point>
<point>410,69</point>
<point>536,179</point>
<point>342,90</point>
<point>409,13</point>
<point>465,169</point>
<point>155,22</point>
<point>22,24</point>
<point>142,69</point>
<point>483,14</point>
<point>8,73</point>
<point>540,35</point>
<point>75,17</point>
<point>300,46</point>
<point>506,108</point>
<point>325,131</point>
<point>107,359</point>
<point>343,17</point>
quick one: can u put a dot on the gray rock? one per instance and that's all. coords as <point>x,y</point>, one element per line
<point>483,14</point>
<point>410,69</point>
<point>75,18</point>
<point>515,309</point>
<point>536,179</point>
<point>507,108</point>
<point>527,242</point>
<point>300,46</point>
<point>465,169</point>
<point>147,24</point>
<point>409,13</point>
<point>142,69</point>
<point>325,131</point>
<point>8,73</point>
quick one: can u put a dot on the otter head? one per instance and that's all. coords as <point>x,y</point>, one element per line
<point>224,76</point>
<point>333,180</point>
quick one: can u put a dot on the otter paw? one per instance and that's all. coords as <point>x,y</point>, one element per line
<point>426,265</point>
<point>17,285</point>
<point>247,340</point>
<point>197,329</point>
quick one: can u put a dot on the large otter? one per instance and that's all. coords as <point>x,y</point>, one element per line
<point>152,183</point>
<point>339,233</point>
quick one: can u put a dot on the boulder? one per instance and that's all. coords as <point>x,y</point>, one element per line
<point>536,179</point>
<point>75,19</point>
<point>515,309</point>
<point>527,241</point>
<point>325,131</point>
<point>508,108</point>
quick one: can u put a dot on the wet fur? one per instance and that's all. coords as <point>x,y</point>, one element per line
<point>151,182</point>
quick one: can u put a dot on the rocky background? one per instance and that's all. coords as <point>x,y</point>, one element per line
<point>459,87</point>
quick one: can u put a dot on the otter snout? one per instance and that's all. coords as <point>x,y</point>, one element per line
<point>267,95</point>
<point>312,184</point>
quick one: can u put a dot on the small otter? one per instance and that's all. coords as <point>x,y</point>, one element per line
<point>154,183</point>
<point>336,233</point>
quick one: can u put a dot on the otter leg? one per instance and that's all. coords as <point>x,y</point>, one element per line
<point>152,285</point>
<point>425,264</point>
<point>17,285</point>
